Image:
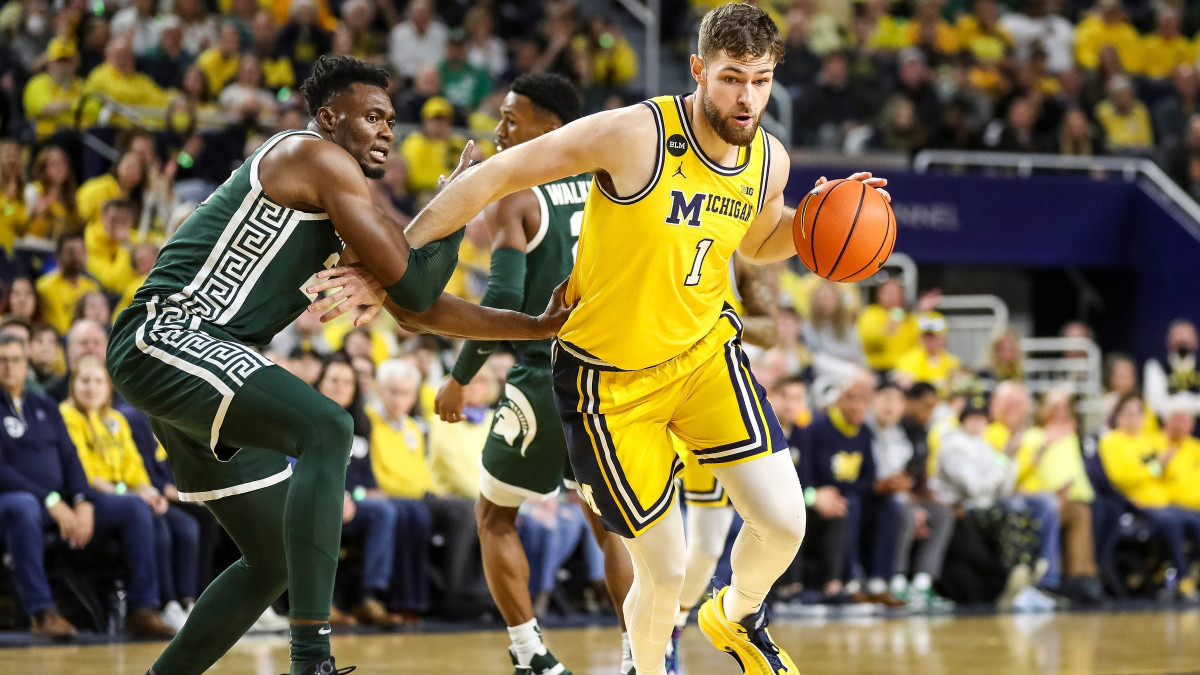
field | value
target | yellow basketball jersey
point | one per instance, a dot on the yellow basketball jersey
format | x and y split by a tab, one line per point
733	296
652	269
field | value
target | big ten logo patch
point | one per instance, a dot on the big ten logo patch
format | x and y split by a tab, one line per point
515	420
846	466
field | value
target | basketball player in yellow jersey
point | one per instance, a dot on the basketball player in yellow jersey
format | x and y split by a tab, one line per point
680	183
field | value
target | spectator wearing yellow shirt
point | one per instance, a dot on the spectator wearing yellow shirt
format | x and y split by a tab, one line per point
433	151
1131	460
61	288
886	32
887	329
1050	461
108	259
220	63
50	198
454	448
52	98
404	471
981	34
277	68
930	31
126	181
1181	458
13	215
1107	27
143	258
1166	48
118	79
930	362
614	63
113	465
1125	119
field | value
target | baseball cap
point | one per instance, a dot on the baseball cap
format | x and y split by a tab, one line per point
436	106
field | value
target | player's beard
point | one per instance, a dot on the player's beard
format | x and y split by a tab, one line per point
371	171
724	125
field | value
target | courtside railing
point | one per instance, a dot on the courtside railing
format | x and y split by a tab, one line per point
1130	168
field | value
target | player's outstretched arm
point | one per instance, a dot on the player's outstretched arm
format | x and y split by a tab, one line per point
606	141
452	316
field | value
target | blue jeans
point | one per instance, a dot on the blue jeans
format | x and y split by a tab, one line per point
414	532
549	545
177	544
375	519
1043	507
876	520
22	521
1172	525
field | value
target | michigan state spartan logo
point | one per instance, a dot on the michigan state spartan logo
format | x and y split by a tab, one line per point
515	421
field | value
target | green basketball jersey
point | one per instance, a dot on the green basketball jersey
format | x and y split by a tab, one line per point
240	261
550	254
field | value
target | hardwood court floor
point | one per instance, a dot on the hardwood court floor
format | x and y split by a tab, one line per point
1127	643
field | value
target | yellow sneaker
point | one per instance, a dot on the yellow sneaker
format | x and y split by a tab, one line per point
747	641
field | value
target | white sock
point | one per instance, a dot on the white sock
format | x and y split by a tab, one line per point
922	581
853	586
526	641
681	618
626	654
875	586
899	584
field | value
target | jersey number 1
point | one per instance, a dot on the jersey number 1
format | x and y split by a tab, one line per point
701	251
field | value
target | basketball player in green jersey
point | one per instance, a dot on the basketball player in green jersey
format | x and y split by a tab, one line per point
240	269
534	233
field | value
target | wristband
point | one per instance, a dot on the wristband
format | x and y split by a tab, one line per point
120	488
810	496
359	493
52	500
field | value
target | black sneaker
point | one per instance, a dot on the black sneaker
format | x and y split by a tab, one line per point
326	667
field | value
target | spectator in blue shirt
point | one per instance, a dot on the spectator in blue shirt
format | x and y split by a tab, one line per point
839	453
42	485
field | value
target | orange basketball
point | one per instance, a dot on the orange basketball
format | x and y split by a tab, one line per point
844	230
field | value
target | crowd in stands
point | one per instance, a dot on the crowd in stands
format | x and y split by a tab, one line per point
930	479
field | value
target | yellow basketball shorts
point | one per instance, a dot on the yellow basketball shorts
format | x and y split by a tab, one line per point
619	424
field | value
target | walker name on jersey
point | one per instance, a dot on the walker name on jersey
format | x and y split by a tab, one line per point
573	192
692	208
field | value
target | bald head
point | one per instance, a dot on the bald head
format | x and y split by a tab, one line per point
855	396
86	338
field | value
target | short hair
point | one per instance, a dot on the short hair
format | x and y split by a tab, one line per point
118	203
393	369
18	322
10	339
332	75
740	30
920	390
65	237
551	93
888	384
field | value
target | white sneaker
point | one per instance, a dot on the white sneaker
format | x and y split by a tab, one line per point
1032	600
1019	579
174	616
270	622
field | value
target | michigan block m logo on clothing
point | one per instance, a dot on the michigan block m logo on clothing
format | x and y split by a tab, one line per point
683	208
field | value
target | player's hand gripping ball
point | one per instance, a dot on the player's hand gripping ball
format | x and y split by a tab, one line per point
844	230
